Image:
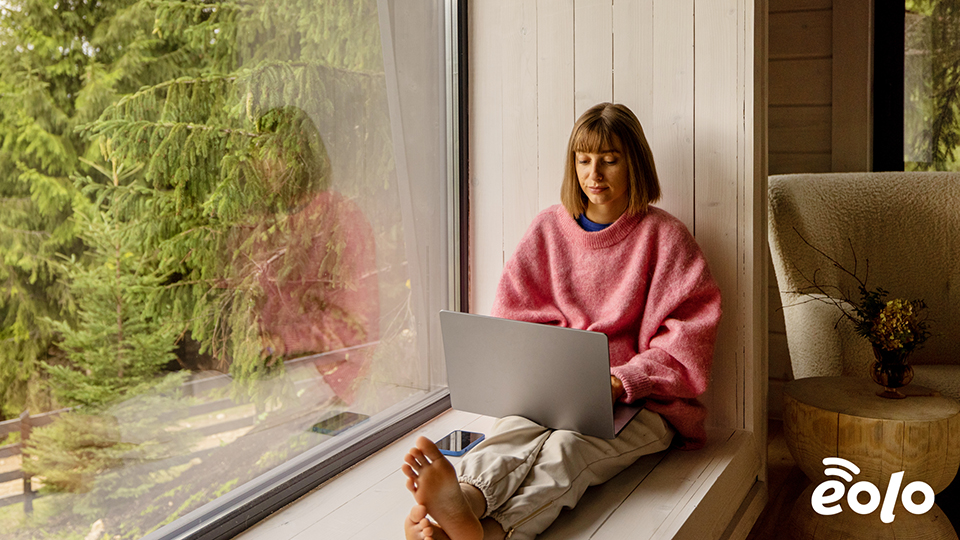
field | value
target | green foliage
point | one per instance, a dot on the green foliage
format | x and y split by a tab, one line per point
148	435
69	453
200	99
119	342
891	325
77	452
153	155
229	155
937	122
42	64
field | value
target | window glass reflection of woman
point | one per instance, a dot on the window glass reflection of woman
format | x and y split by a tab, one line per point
311	252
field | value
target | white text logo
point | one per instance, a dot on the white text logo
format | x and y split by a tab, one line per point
826	496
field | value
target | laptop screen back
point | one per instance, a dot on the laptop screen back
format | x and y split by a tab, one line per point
557	377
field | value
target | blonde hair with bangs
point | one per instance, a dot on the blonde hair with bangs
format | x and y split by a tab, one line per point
598	129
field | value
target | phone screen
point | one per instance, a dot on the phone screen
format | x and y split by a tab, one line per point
459	442
338	423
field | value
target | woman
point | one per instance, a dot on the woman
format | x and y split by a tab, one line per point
310	252
604	261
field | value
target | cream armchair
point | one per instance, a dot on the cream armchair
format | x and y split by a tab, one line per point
905	226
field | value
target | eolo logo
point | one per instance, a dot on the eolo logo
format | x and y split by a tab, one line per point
826	496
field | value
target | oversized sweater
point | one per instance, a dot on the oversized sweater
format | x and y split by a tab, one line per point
317	270
643	282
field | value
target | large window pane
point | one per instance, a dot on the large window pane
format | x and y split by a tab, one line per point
931	107
223	229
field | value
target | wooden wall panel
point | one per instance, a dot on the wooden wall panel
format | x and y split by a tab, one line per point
633	39
801	82
717	212
800	129
671	134
519	90
593	53
801	97
537	64
853	86
798	5
804	34
796	162
555	102
486	153
654	77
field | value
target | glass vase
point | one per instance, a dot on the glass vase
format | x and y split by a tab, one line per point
891	371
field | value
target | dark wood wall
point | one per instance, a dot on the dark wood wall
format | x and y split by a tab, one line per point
820	91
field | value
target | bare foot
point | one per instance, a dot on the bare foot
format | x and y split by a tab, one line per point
417	526
433	482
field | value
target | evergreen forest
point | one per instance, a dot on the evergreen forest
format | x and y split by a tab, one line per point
932	85
164	166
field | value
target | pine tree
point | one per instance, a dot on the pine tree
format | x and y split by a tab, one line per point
945	85
203	140
188	107
119	342
187	88
49	54
938	120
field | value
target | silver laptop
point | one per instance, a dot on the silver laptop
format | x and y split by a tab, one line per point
557	377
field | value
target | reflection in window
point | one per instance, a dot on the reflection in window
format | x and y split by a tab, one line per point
205	257
932	85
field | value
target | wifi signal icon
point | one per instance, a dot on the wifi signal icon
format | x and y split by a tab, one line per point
840	462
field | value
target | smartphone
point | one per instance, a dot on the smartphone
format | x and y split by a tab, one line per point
338	423
458	442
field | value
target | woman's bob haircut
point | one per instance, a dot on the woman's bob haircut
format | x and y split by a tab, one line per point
600	128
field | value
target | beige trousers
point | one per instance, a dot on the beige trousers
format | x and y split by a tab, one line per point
528	473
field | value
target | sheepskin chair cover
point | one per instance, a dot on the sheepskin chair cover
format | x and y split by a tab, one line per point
901	231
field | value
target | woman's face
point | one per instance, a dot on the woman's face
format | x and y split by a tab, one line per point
604	178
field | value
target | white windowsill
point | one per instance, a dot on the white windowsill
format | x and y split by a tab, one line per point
709	493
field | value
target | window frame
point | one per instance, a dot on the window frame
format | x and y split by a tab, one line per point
243	507
888	56
248	504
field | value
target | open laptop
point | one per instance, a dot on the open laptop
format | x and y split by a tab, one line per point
557	377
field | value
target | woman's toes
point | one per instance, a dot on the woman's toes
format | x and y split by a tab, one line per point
429	449
413	462
417	456
418	513
426	528
413	525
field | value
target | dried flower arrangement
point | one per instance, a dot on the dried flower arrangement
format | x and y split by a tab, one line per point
895	327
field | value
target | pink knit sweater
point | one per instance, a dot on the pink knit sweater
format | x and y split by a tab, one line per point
644	283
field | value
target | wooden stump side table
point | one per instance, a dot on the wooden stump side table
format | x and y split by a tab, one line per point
843	417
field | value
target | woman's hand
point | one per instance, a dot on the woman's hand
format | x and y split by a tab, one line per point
616	389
